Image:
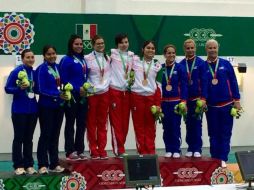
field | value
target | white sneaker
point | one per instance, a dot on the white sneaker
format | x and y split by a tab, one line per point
176	155
197	154
20	171
31	171
57	169
168	155
82	156
43	170
223	164
189	154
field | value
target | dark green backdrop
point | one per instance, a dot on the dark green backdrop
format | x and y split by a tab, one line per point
235	34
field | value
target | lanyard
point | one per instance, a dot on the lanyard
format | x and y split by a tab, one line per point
168	78
145	73
125	66
83	64
101	65
30	80
216	68
55	73
192	66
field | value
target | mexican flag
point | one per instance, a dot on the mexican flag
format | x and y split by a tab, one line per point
86	31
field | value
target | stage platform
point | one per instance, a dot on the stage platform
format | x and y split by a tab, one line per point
109	174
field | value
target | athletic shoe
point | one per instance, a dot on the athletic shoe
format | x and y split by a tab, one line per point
168	155
31	171
189	154
73	156
82	156
122	155
95	157
176	155
104	157
57	169
197	154
223	164
20	171
43	171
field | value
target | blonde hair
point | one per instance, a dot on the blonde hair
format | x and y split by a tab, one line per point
211	41
189	41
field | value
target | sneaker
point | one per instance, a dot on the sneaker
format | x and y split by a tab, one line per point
223	164
31	171
189	154
104	157
176	155
122	155
20	171
168	155
95	157
82	156
73	156
57	169
197	154
43	170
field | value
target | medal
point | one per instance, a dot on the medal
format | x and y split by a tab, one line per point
215	81
145	82
30	95
168	87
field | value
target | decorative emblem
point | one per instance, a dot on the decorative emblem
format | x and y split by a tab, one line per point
87	32
112	175
16	33
202	34
222	176
73	182
187	172
34	186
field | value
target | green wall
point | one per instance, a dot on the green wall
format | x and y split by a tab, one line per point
235	34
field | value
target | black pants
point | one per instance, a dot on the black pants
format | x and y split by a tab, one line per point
78	112
50	124
22	146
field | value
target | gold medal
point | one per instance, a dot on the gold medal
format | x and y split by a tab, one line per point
168	87
215	81
145	82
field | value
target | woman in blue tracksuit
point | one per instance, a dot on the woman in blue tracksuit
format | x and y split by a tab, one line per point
50	111
74	70
197	91
24	114
223	94
174	91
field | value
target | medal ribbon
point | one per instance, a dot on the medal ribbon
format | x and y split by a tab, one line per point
168	78
125	66
216	68
101	65
145	73
56	75
188	70
83	64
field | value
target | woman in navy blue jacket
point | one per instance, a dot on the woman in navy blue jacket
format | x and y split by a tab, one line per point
50	111
74	70
24	114
223	94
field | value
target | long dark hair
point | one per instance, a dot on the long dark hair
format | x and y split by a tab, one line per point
70	51
145	44
97	37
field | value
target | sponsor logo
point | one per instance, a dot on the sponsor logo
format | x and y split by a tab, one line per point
111	175
187	173
201	35
33	186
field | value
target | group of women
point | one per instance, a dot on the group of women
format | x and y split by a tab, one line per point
172	88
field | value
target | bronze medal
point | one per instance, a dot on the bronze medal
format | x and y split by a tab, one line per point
215	81
168	87
145	82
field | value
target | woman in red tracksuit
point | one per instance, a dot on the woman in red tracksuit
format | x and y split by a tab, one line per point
119	110
145	93
99	76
